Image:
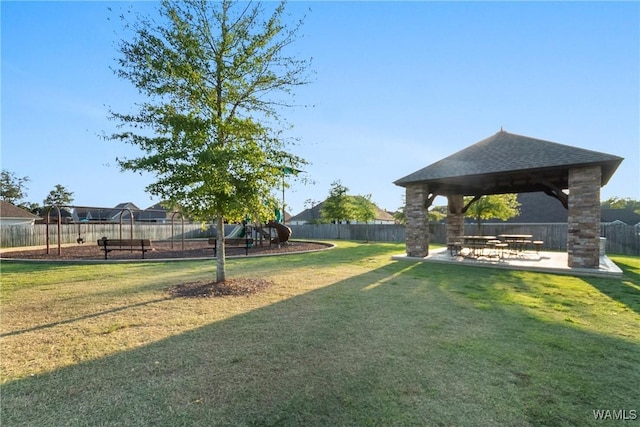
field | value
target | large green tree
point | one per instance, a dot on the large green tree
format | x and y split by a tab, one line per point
364	210
13	188
58	196
340	206
337	207
494	206
622	203
216	77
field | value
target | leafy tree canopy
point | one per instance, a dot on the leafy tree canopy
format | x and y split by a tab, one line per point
400	215
494	206
216	77
620	203
364	210
213	74
438	213
13	189
340	206
58	196
337	207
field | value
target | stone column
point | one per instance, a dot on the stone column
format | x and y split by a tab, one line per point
455	218
583	238
417	227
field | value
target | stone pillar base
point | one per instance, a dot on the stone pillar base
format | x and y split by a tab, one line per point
417	229
583	239
455	217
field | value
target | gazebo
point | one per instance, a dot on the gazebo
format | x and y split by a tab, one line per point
509	163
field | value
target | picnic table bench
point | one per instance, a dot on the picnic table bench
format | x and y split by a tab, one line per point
142	245
517	242
239	242
477	244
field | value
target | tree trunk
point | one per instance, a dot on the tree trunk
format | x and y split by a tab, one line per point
220	256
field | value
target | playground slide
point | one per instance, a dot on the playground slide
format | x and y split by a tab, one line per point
238	231
284	232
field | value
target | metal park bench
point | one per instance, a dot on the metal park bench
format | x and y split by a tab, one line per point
142	245
239	242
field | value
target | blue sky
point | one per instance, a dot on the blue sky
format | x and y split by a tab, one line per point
397	86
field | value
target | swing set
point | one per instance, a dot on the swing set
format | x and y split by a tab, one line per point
81	240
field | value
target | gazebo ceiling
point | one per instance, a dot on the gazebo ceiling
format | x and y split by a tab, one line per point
509	163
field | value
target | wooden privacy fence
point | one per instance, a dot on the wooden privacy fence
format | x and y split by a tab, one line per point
35	235
621	239
377	232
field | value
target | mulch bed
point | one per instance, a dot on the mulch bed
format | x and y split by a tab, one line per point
229	288
161	250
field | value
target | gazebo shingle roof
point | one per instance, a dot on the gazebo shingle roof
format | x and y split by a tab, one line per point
506	162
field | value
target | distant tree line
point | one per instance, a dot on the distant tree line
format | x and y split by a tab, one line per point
338	207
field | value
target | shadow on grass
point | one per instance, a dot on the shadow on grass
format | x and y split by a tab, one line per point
85	317
399	345
627	290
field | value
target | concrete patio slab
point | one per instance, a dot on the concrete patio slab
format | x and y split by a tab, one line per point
546	262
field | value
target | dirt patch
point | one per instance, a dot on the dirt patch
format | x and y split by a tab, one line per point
229	288
160	250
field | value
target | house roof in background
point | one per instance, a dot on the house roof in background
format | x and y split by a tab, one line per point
157	206
628	216
539	208
309	214
127	205
509	163
7	210
315	213
382	215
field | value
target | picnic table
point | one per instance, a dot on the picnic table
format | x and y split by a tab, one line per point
516	242
477	244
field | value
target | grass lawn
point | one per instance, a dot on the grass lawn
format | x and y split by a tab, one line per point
343	337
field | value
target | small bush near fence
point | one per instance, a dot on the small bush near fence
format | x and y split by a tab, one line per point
621	239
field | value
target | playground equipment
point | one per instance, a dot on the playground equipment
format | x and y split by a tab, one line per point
82	239
283	232
240	236
281	235
274	232
248	235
